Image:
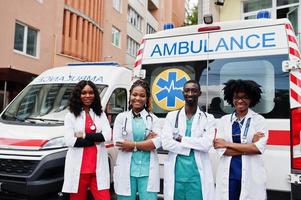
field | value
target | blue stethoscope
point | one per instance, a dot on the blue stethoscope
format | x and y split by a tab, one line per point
149	123
245	134
176	128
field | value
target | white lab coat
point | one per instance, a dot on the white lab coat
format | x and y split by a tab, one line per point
202	134
74	154
121	174
253	183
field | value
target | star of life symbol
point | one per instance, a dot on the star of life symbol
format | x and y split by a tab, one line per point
169	85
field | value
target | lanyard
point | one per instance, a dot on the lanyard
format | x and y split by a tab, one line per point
245	134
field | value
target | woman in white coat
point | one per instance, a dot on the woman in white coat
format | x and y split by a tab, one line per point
135	134
87	128
240	141
188	136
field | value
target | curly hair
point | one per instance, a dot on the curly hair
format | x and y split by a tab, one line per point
145	85
251	88
75	103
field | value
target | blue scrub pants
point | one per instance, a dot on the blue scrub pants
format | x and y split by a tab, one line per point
188	190
234	189
139	184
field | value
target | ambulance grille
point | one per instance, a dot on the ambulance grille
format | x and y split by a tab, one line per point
17	167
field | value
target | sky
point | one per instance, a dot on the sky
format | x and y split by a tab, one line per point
193	2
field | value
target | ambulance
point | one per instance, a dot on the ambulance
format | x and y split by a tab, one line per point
214	53
32	149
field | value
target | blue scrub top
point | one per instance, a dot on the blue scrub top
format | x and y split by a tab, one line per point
186	169
235	165
140	159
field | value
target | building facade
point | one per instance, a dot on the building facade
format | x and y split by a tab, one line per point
41	34
226	10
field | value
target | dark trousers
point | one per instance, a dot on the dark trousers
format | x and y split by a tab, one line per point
234	189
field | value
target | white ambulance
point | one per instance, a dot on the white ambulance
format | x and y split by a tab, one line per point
214	53
32	150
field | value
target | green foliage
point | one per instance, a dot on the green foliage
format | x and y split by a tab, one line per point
192	18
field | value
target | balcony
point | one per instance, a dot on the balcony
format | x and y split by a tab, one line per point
153	5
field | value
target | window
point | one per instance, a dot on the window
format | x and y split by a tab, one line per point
257	5
150	29
26	39
115	37
42	100
278	9
117	5
132	46
117	104
265	71
134	18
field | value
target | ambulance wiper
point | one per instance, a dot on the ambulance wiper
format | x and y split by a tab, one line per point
46	120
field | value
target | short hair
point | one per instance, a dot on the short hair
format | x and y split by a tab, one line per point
193	81
75	103
251	88
145	85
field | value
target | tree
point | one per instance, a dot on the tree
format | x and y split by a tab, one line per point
192	17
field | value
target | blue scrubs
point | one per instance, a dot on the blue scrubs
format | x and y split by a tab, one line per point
187	177
139	166
235	165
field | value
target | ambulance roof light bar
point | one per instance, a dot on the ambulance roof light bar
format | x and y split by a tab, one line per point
264	14
208	19
94	63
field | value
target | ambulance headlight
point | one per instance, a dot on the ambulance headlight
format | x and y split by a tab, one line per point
55	143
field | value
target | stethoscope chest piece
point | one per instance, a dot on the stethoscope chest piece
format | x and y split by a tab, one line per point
92	127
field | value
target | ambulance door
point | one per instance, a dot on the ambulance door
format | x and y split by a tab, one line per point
168	73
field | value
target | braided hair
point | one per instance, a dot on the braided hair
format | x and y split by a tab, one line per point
144	85
251	88
75	103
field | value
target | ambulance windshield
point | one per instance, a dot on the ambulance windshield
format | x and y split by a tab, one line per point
42	104
167	79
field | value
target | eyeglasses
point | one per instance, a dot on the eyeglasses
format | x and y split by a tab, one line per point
244	98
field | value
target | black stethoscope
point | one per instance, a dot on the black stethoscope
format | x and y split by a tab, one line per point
245	134
149	123
176	128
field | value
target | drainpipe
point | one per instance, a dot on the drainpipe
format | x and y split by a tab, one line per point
4	95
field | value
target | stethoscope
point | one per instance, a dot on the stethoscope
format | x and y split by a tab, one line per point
175	133
149	123
245	134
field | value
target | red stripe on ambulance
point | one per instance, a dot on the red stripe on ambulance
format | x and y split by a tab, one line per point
22	142
280	138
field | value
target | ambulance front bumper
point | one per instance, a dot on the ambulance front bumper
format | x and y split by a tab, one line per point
21	178
295	180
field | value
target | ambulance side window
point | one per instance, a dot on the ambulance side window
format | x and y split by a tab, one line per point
117	104
264	70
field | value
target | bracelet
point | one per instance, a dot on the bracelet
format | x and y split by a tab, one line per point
135	147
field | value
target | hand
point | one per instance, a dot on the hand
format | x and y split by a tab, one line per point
257	137
220	143
79	134
125	145
151	135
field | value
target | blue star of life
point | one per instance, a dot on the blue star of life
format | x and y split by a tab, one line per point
171	89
